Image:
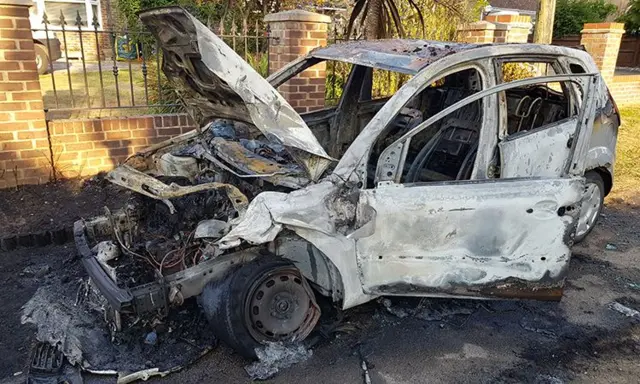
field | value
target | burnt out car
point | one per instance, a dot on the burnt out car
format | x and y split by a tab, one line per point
464	183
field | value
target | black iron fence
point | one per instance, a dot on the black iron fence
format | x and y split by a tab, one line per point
91	71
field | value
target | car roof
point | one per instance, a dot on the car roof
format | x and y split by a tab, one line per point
404	55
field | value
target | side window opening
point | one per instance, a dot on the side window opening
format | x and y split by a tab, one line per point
539	150
576	68
446	149
378	86
534	106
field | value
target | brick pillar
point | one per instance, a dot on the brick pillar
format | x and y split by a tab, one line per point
602	41
510	28
480	32
295	33
24	148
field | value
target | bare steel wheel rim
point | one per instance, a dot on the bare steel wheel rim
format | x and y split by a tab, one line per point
280	307
591	202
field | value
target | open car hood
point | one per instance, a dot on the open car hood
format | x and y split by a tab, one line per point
213	81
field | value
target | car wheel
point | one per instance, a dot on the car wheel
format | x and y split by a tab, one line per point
42	59
266	300
592	202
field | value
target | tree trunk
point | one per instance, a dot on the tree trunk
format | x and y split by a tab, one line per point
543	32
373	18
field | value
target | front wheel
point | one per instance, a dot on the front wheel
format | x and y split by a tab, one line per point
592	202
265	300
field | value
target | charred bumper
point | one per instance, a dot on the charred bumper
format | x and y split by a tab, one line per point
141	299
159	295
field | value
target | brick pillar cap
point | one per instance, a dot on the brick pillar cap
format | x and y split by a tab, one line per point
508	26
477	26
599	27
511	19
26	3
295	15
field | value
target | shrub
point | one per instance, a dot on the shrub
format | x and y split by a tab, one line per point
517	71
572	14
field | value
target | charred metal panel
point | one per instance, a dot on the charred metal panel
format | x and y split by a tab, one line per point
316	214
440	236
405	56
232	152
130	178
541	153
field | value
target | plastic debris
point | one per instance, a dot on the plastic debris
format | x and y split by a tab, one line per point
223	129
37	271
629	312
365	370
151	338
611	247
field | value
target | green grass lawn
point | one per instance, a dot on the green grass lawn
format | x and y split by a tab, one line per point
93	98
626	184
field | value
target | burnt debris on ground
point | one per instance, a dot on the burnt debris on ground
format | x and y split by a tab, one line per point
70	314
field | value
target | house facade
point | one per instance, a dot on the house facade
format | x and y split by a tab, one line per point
89	11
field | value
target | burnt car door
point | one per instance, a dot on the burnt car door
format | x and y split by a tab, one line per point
537	120
507	237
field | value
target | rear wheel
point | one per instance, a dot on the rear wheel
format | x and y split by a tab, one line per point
592	202
266	300
42	59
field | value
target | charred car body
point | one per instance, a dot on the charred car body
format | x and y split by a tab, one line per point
459	185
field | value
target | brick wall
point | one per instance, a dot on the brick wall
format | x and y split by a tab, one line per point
294	34
510	28
23	137
496	29
480	32
87	146
602	41
625	89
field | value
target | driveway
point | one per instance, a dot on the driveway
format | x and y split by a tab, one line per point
75	65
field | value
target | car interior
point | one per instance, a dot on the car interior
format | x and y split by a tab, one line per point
537	105
446	150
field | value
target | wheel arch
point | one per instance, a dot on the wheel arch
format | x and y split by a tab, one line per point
600	159
316	267
607	178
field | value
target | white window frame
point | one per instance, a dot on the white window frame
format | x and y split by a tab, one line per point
40	7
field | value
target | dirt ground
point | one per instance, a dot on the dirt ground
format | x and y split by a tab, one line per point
36	208
581	339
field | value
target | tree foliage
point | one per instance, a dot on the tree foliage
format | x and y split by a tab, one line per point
631	18
436	19
571	15
208	12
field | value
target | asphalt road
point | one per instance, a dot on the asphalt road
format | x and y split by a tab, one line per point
580	339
